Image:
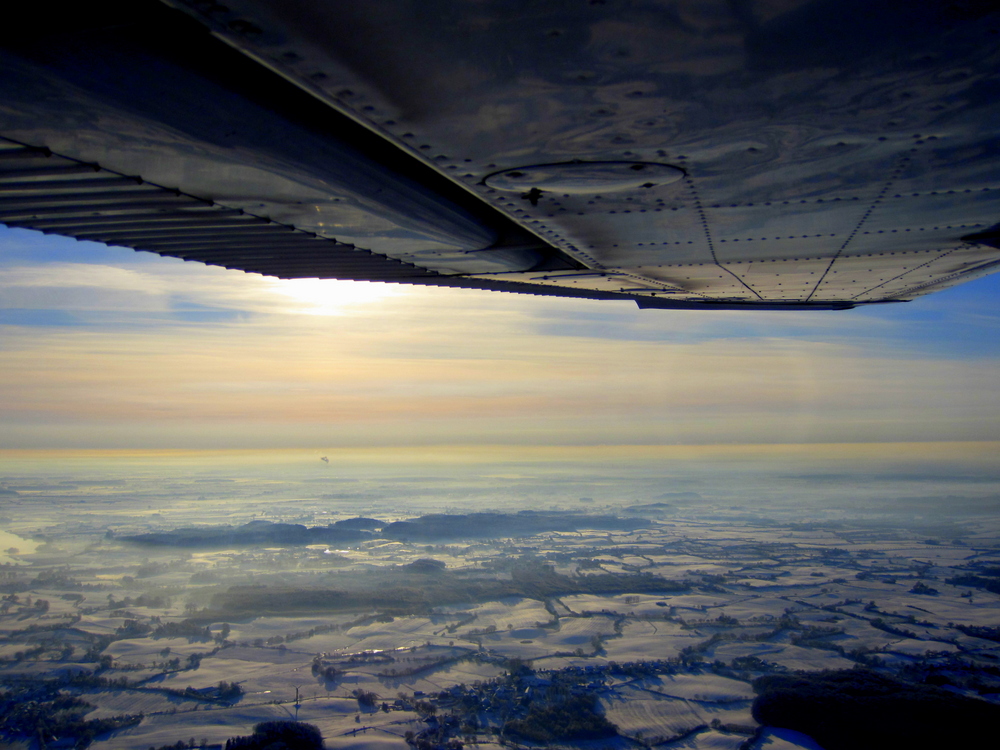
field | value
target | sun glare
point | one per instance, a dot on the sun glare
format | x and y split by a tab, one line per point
331	296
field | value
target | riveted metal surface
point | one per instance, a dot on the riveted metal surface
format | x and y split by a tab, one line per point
796	121
833	151
144	90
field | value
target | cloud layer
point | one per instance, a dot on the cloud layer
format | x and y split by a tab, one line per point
104	347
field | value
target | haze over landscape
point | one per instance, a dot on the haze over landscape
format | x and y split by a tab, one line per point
246	500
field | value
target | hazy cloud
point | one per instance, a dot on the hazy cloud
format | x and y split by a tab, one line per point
335	363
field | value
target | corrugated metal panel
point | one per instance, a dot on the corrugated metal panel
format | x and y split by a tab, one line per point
53	194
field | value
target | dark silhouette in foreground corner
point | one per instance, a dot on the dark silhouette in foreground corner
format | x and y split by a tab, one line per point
279	735
859	709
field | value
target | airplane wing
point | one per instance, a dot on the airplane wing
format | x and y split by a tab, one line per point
678	153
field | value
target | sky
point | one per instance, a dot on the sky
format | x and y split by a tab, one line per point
108	348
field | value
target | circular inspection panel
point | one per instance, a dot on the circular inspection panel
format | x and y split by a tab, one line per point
586	176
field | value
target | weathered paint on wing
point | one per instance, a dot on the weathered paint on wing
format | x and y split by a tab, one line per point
813	153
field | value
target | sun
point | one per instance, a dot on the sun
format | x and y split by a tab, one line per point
331	296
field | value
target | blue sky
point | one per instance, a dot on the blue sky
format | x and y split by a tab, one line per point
104	347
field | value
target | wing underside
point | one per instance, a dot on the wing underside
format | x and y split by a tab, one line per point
684	154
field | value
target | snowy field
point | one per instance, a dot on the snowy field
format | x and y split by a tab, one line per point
738	601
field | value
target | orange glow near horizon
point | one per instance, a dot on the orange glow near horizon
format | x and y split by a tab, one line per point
981	452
